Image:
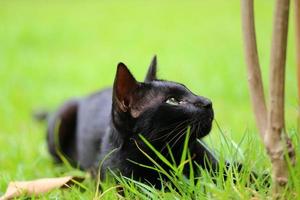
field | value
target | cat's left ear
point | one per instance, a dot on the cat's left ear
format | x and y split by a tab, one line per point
151	74
124	85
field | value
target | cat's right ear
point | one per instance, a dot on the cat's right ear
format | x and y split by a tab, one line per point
151	74
124	85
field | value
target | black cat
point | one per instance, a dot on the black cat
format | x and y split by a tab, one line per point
85	130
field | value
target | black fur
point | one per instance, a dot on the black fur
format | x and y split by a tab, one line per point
112	119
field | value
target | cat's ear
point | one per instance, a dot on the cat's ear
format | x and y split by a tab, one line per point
151	74
124	85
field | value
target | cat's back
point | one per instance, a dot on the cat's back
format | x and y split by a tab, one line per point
95	109
93	119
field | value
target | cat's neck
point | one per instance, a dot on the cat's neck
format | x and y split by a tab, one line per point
121	123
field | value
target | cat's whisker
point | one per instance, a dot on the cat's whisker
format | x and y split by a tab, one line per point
175	136
166	128
182	133
179	126
181	129
178	136
162	137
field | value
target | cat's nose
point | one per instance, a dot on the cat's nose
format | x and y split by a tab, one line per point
203	103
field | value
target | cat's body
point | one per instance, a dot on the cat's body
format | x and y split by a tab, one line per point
77	120
89	129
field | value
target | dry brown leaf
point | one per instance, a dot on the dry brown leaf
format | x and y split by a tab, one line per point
37	187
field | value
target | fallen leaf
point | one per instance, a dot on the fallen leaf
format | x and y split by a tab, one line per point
38	187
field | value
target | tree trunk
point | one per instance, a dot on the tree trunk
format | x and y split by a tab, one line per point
271	123
275	134
254	73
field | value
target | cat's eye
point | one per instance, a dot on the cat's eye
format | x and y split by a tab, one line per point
173	101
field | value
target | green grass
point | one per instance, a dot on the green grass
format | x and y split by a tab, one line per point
53	50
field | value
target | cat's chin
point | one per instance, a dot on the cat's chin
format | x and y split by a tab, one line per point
204	125
204	131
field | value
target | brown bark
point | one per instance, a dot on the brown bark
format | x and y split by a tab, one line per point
271	124
254	73
275	134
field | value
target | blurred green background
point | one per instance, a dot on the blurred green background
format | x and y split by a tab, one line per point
53	50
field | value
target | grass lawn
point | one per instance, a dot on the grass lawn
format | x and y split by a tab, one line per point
53	50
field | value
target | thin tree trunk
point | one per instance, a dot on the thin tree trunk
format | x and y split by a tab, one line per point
275	134
254	73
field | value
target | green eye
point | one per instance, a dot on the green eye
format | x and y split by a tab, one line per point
173	101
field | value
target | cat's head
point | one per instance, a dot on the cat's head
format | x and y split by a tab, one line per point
159	110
